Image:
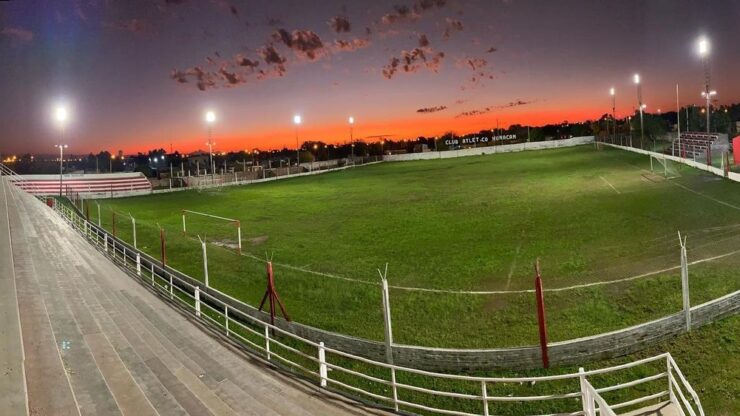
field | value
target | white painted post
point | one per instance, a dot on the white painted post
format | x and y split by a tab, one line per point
197	301
124	255
322	364
152	264
184	230
671	394
388	333
587	402
267	342
138	264
205	260
98	214
239	235
685	282
226	319
484	393
105	241
133	226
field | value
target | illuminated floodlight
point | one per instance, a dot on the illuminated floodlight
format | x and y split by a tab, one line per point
351	120
636	78
61	114
210	117
703	46
612	91
297	119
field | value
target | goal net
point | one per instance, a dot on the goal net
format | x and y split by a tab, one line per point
665	167
218	230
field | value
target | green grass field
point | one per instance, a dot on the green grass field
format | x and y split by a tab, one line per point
467	224
475	224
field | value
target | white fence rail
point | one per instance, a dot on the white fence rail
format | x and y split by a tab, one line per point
333	368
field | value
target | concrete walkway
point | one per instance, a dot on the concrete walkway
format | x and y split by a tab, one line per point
98	343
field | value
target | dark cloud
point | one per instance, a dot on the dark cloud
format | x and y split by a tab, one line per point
485	110
17	34
339	24
234	11
423	5
400	13
246	62
423	41
453	25
231	78
131	26
432	109
473	63
350	45
271	56
491	50
305	43
414	60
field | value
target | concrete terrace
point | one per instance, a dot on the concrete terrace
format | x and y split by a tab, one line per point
80	337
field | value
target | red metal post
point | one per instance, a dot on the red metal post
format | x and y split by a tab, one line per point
541	320
272	295
163	246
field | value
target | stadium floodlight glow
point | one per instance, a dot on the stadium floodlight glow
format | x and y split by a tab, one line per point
636	78
351	120
612	91
351	136
703	46
61	114
297	119
210	117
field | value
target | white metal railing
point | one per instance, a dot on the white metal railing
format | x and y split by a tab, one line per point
17	179
263	338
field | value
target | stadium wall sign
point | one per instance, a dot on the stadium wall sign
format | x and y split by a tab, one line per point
478	139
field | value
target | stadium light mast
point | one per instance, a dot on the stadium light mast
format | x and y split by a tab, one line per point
61	115
351	121
297	120
636	78
703	48
210	119
613	93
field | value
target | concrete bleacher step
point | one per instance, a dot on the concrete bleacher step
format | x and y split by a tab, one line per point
100	343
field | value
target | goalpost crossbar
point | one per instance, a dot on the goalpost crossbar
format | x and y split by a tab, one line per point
236	223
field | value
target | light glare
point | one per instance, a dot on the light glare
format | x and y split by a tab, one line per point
297	119
636	78
351	120
703	46
210	116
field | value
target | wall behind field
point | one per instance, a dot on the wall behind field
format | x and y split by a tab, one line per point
488	150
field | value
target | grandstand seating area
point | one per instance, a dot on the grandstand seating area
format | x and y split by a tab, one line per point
693	144
87	184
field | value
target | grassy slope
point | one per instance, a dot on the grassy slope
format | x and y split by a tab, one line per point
471	223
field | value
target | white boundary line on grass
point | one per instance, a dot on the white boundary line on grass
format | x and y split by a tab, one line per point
494	292
610	185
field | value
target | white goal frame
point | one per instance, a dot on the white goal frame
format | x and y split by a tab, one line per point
663	161
236	223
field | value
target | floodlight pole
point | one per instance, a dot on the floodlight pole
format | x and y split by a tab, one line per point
210	151
678	123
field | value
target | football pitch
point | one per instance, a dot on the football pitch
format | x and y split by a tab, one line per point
460	237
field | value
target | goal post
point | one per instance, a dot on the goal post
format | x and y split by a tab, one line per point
664	166
218	219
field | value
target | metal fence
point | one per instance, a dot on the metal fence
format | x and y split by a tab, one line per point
396	387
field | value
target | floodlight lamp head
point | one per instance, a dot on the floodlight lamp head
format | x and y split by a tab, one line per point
210	117
612	91
297	119
636	78
351	120
703	46
61	115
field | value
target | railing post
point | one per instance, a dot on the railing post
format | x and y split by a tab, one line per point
671	393
197	301
133	225
267	342
172	293
685	282
105	241
388	333
586	399
226	318
152	265
541	319
484	394
138	264
322	364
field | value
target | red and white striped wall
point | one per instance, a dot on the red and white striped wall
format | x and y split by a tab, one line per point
100	184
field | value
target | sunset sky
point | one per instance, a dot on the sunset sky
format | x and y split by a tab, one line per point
139	74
